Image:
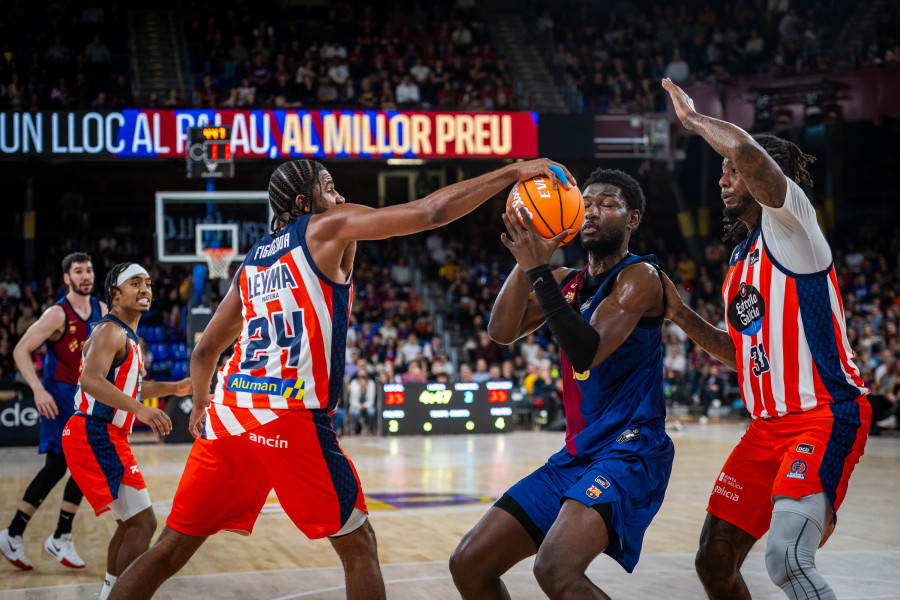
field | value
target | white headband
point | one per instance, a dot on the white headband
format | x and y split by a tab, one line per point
131	271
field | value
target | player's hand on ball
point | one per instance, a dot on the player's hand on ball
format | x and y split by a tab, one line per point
526	244
546	167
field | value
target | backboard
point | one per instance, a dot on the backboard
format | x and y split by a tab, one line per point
187	222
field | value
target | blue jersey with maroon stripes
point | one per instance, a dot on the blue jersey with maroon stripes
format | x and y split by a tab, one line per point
64	355
625	391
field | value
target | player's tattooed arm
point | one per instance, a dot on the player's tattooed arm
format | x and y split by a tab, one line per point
716	342
762	175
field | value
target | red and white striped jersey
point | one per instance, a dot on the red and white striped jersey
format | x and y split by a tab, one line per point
787	322
290	354
124	374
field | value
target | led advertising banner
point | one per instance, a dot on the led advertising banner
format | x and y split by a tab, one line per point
144	133
435	408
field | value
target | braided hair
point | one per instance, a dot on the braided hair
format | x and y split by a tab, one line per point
790	159
109	286
292	179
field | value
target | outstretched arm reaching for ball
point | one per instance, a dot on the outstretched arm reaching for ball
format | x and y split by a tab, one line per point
332	232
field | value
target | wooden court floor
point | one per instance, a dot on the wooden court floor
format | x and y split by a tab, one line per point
861	561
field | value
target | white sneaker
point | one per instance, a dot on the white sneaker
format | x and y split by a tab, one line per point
14	550
888	422
63	550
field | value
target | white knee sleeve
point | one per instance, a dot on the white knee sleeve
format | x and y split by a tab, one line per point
794	535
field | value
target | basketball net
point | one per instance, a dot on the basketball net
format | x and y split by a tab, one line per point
218	260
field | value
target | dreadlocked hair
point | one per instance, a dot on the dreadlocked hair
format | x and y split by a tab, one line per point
109	286
292	179
790	159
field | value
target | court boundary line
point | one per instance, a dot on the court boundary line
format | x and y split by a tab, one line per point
591	569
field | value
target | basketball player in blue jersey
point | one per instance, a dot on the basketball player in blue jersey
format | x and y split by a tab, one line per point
64	327
598	493
302	270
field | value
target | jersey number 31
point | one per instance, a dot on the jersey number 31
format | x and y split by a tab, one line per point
760	362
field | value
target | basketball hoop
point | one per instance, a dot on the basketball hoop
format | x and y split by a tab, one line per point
218	260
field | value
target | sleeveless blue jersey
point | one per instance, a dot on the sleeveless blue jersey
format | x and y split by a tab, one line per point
64	355
625	391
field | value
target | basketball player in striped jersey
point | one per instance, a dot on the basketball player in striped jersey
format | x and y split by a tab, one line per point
63	327
107	401
786	339
269	423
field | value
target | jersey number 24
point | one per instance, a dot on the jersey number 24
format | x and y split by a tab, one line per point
288	328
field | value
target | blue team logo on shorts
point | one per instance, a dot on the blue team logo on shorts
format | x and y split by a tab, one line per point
798	468
593	492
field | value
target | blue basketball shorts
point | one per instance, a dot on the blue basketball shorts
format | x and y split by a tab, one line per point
631	477
51	429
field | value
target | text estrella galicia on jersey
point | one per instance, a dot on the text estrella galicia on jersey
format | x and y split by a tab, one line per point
746	310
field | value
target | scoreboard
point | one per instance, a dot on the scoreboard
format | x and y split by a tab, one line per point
209	152
435	408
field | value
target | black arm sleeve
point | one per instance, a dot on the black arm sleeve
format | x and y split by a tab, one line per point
577	338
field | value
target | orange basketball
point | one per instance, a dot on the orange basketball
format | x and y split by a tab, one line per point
552	211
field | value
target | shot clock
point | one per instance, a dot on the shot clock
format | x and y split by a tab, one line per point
209	152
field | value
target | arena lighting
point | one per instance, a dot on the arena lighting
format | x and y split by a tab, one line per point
405	162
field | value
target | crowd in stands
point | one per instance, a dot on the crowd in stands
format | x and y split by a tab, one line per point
59	55
359	56
617	56
405	55
74	56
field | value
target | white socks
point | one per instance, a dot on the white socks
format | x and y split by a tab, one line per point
108	582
